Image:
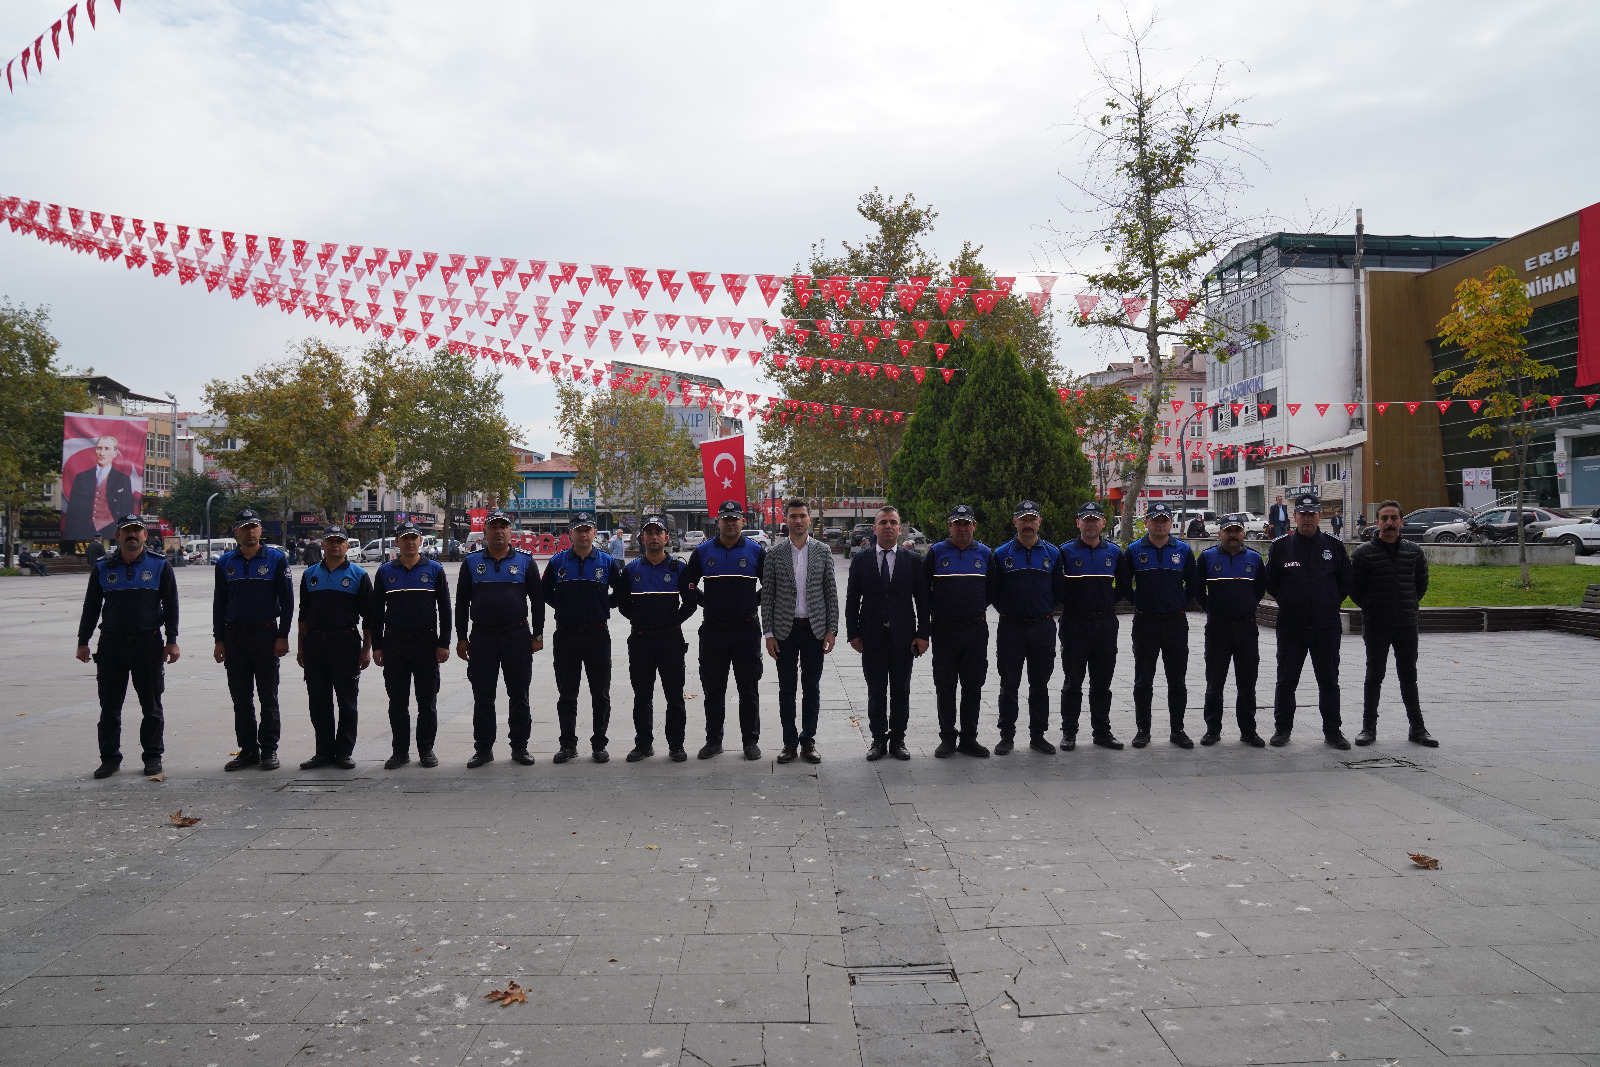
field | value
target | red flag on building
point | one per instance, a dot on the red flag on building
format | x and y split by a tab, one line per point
723	461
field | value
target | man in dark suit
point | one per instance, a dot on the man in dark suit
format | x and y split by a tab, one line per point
887	620
99	495
1278	518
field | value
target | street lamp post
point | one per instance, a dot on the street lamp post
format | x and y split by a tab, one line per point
209	499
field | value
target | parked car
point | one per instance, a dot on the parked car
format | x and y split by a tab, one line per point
861	534
1421	521
378	550
917	542
760	537
1497	524
1583	535
693	539
203	551
832	535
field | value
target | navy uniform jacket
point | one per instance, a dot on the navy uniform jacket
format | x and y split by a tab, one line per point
1158	580
497	594
138	597
411	601
1022	581
1231	585
339	599
1088	577
252	592
958	583
579	589
650	597
731	596
1309	577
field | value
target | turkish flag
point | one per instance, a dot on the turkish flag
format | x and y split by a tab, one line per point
723	461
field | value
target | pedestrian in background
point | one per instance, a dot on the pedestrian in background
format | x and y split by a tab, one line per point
252	608
1389	578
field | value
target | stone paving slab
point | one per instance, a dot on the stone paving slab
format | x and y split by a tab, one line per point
1218	906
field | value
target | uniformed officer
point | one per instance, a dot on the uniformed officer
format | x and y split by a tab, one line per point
580	584
132	595
1024	588
651	599
252	608
410	640
1088	575
495	590
957	570
730	630
1232	581
334	645
1308	573
1157	573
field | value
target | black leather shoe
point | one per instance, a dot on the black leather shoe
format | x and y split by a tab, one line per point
107	768
1424	738
522	756
876	751
1253	740
241	761
946	748
344	763
897	749
566	754
677	755
1141	739
1069	742
152	768
1181	739
1039	744
1280	739
1004	747
1367	736
640	752
709	749
396	761
1209	738
1337	741
810	754
973	748
428	759
314	762
789	754
269	761
1108	742
479	759
752	751
600	755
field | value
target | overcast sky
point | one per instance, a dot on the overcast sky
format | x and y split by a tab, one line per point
722	137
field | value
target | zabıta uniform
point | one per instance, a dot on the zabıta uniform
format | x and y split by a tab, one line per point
411	626
730	630
654	602
252	608
1024	588
958	581
334	608
495	597
580	589
1159	580
1230	589
1089	628
1309	577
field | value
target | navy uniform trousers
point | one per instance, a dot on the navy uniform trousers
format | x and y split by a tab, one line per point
252	670
1235	642
581	649
1088	646
738	647
117	659
333	674
1164	634
960	658
1025	644
491	654
657	652
1294	644
412	661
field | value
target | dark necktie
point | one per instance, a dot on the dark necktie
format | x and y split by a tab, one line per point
884	568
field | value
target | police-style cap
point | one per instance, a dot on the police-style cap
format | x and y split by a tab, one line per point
962	513
1088	508
1158	508
335	533
130	520
1234	520
1307	505
497	516
1027	507
246	517
582	518
730	509
407	528
653	520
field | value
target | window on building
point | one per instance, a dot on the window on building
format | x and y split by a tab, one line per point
1280	477
1228	464
1195	429
1227	500
1198	465
1331	472
1255	499
1268	396
1196	394
1164	465
372	500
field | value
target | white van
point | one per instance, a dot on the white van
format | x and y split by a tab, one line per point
378	550
202	551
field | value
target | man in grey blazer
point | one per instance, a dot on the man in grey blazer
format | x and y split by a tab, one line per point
800	617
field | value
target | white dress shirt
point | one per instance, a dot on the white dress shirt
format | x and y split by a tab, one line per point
886	554
798	555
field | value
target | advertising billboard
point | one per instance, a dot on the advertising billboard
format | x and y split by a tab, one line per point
102	473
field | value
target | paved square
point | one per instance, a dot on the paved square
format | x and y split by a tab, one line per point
1218	906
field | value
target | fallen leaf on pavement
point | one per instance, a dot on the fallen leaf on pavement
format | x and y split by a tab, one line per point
158	777
180	819
1425	862
511	994
655	847
1230	859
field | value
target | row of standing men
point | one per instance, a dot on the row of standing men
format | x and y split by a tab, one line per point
898	605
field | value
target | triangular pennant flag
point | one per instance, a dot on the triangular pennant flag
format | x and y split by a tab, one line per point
1474	405
948	373
1555	400
1351	409
1322	409
1086	304
1382	408
1134	306
1181	308
1444	405
1294	409
1036	302
1590	398
1411	407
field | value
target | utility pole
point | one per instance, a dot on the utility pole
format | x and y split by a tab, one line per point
1358	422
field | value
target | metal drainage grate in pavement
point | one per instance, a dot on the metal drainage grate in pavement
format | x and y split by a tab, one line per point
886	975
1381	763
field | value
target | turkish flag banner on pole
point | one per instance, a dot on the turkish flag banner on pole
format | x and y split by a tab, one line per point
723	461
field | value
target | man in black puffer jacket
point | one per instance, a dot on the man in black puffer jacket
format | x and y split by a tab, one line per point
1390	577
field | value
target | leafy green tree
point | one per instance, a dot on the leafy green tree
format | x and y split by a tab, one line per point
1486	321
631	450
1007	438
34	395
1108	423
185	506
916	473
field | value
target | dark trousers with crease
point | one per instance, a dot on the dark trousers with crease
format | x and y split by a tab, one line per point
738	648
960	658
333	674
576	653
117	659
1164	635
886	666
800	667
252	670
412	661
649	655
1379	639
1088	646
1294	644
492	653
1029	646
1236	642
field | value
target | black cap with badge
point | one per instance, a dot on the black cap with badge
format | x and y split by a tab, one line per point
582	518
1090	508
962	513
246	517
652	520
334	533
1159	508
1307	505
1237	519
1027	507
130	520
497	516
406	528
730	509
